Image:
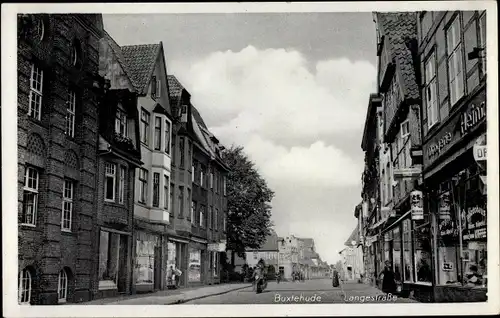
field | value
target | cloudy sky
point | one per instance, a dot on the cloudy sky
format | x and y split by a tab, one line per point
292	89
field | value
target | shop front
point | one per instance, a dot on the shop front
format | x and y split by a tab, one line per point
197	263
456	179
176	260
148	262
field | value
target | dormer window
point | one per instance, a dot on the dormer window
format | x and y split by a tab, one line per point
121	122
155	87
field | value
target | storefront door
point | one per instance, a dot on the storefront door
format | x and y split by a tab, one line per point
157	267
122	264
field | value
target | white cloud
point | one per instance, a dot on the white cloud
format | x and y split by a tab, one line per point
265	100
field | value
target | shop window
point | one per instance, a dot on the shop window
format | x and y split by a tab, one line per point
30	196
36	92
145	257
194	267
407	251
62	287
215	264
396	256
25	285
70	114
108	259
423	254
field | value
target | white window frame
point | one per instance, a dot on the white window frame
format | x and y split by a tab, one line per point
145	123
109	172
403	124
455	58
67	205
143	185
193	205
201	177
31	185
121	125
70	114
62	287
156	189
211	180
25	287
121	185
36	92
202	215
430	88
166	192
158	129
158	88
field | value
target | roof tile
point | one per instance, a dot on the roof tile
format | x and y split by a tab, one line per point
141	60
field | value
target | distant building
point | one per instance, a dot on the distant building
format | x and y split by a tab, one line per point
352	258
268	252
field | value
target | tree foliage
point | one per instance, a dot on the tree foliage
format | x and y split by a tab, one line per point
249	203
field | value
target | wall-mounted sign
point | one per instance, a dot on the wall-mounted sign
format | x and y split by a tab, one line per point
407	173
457	127
472	117
479	151
447	228
448	266
417	205
445	206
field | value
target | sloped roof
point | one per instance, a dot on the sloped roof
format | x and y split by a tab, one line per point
398	29
271	243
117	50
308	242
175	89
198	117
353	237
141	60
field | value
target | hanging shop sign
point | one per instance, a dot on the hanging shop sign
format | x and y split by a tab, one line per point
479	151
474	223
417	205
457	127
447	227
445	206
407	173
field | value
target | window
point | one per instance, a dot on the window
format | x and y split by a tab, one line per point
405	129
210	222
189	195
24	296
67	205
121	122
167	136
193	171
182	150
154	87
156	189
40	29
211	180
158	88
172	197
193	208
157	133
109	185
74	55
36	92
455	63
482	37
202	216
190	152
121	186
216	182
224	184
62	288
70	114
430	90
166	182
388	182
216	219
181	201
144	126
201	176
426	19
143	185
224	223
30	196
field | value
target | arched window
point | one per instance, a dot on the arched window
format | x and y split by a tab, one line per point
24	296
62	288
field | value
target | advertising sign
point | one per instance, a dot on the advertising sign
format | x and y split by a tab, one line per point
407	173
417	205
474	223
448	267
479	150
445	206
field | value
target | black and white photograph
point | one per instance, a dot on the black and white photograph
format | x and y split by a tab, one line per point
192	158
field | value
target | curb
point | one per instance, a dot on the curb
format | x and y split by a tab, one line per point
182	301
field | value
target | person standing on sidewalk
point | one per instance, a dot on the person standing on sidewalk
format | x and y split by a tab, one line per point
388	280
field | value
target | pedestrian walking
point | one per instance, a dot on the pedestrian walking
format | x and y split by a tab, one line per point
335	279
388	279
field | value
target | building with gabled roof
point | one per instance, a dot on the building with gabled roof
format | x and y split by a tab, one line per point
142	70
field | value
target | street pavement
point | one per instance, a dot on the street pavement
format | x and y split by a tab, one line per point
315	291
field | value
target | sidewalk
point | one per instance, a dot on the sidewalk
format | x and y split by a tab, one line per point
169	297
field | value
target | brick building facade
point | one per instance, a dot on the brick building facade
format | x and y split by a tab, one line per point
58	92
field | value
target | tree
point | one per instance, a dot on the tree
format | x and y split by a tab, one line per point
249	203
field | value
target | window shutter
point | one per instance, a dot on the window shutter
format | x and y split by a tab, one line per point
153	87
